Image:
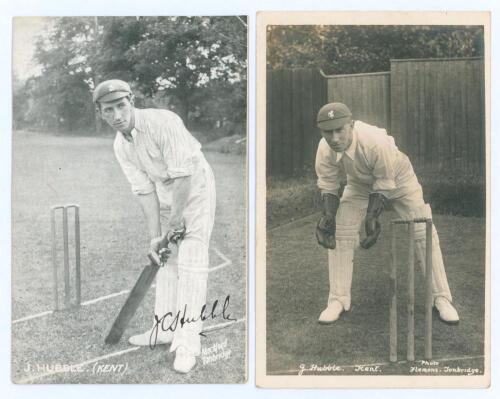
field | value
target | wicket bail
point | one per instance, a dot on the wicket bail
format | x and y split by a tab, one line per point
393	312
67	290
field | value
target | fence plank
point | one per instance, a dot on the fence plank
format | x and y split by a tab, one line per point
320	96
308	112
287	112
269	115
297	123
276	125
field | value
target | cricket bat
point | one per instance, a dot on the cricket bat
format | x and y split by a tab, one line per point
132	303
139	291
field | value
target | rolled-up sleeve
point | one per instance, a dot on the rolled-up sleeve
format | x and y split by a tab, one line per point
178	148
383	159
139	181
330	173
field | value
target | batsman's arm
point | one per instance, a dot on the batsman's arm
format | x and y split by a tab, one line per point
151	208
181	189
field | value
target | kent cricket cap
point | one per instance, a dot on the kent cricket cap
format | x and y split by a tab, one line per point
333	116
110	90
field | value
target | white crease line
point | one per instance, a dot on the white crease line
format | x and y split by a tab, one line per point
221	255
33	316
119	353
103	298
223	325
114	354
226	262
446	359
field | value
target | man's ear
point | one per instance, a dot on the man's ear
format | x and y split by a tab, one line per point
98	109
131	99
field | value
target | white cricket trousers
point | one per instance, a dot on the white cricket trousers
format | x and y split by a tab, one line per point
181	285
406	200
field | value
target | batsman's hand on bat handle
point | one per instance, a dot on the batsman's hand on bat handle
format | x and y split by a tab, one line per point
173	236
157	245
176	233
159	250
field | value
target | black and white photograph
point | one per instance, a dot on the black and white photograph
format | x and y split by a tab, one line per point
372	183
129	209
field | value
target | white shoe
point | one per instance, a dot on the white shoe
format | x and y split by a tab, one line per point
146	339
184	360
331	313
447	312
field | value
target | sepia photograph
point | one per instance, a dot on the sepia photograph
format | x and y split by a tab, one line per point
129	208
372	199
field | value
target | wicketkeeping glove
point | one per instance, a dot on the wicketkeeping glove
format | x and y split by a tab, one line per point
325	229
372	225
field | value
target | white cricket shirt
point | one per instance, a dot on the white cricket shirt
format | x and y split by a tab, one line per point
372	159
161	150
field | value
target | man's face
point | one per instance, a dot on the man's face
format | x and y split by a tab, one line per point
118	114
339	139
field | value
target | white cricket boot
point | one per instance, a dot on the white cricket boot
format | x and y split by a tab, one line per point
184	360
446	310
331	313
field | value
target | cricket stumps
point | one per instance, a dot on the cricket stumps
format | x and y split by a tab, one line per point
393	311
66	255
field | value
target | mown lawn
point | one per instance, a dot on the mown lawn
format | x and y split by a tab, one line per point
297	290
49	170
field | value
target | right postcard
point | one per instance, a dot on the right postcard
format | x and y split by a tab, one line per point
373	229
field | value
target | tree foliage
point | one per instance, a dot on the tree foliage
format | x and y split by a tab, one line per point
60	95
168	60
343	49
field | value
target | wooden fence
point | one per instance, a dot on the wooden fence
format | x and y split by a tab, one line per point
434	108
367	95
437	113
293	99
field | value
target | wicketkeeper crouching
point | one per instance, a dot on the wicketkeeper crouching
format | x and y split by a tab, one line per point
378	175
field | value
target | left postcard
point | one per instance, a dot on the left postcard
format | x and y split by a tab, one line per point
129	255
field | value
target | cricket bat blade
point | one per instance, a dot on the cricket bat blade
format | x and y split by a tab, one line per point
132	303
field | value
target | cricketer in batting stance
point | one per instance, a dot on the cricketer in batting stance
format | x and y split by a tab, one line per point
176	189
377	174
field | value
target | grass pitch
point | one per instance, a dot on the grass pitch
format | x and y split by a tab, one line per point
297	291
49	170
